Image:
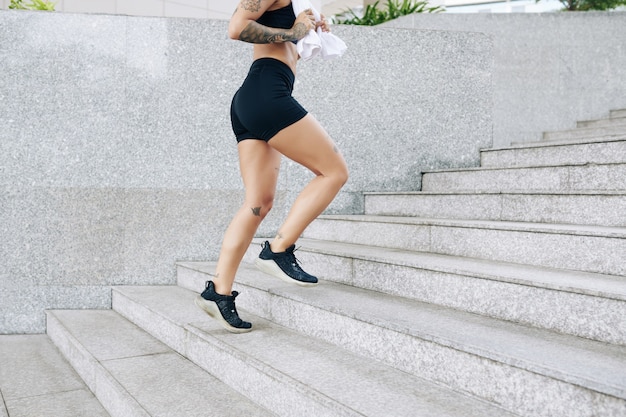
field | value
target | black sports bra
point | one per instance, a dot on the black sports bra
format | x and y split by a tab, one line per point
280	18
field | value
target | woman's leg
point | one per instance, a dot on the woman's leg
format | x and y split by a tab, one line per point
307	143
259	164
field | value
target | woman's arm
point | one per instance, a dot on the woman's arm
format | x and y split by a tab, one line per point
243	25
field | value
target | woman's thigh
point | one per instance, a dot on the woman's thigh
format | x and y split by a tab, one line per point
307	143
259	164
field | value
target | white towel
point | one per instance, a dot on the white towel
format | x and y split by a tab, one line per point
317	43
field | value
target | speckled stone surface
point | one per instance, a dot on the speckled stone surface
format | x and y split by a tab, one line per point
565	301
22	307
583	133
292	374
3	409
35	380
593	208
549	68
143	102
529	371
574	153
560	178
78	403
117	158
134	375
572	247
561	300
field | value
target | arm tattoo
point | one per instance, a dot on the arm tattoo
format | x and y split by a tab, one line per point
299	30
257	33
256	211
251	5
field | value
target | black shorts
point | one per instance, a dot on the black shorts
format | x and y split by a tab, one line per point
263	105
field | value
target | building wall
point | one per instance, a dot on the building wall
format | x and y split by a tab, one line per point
117	157
550	70
201	9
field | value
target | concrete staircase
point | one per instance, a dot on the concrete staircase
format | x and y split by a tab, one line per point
495	291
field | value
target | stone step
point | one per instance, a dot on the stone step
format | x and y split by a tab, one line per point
604	177
611	121
133	374
35	380
585	132
289	373
562	153
529	371
564	301
604	208
545	143
573	247
617	113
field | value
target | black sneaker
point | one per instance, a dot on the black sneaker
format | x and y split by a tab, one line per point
283	265
222	308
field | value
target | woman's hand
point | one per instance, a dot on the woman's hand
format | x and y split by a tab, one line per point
322	24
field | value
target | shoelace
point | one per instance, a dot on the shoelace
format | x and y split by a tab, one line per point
295	261
230	305
234	309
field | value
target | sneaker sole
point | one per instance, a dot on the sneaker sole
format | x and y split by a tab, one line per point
211	309
270	267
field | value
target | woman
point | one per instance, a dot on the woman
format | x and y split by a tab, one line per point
268	122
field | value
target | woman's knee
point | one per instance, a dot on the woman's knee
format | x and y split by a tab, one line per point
343	175
339	174
261	207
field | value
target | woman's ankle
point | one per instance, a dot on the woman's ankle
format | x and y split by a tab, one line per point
222	288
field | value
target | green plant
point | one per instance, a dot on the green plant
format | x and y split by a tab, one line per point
373	15
34	5
585	5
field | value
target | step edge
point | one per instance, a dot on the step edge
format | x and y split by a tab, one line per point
587	129
480	272
192	326
348	250
610	232
558	193
196	329
487	352
555	144
520	168
100	373
607	121
268	370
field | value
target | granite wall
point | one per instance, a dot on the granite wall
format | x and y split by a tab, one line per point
207	9
550	69
117	158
